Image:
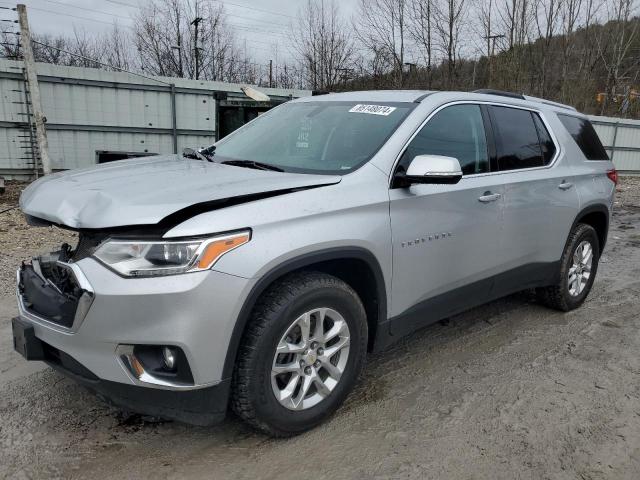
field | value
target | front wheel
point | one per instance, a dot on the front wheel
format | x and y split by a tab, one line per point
301	355
578	268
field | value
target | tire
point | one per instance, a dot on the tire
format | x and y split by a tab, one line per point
254	389
564	296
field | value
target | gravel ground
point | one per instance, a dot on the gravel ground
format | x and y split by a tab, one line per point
508	390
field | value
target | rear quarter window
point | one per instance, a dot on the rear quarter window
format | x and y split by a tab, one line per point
585	136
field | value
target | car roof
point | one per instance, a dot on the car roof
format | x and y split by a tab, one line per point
369	96
410	96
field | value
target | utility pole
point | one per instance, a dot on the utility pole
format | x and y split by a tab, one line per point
196	21
492	39
34	90
270	73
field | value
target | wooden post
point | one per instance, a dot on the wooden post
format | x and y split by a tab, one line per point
174	117
34	90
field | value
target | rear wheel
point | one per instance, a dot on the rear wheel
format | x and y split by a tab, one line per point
578	268
301	354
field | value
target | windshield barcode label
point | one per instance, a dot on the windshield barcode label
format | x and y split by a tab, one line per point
372	109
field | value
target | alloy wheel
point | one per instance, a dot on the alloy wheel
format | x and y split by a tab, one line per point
310	358
580	270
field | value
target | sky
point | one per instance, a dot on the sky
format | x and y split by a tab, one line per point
263	24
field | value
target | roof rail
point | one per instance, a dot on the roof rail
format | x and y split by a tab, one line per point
489	91
422	97
550	103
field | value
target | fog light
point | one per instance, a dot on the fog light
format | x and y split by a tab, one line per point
169	357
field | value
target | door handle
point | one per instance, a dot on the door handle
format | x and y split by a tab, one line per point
489	197
565	186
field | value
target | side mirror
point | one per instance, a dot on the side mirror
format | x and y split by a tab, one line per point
433	169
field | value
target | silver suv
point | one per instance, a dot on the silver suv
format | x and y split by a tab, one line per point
258	272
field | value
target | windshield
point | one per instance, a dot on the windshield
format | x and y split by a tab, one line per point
315	137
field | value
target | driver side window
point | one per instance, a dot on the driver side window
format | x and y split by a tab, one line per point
456	131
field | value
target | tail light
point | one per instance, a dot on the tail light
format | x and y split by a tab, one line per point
613	175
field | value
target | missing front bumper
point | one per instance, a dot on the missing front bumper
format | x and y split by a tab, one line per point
63	300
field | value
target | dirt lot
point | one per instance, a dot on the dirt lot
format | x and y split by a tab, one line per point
508	390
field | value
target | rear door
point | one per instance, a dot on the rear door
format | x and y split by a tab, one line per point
540	200
445	237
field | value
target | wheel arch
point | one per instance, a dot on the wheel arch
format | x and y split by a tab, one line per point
356	266
597	216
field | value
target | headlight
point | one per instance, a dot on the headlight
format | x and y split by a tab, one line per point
133	258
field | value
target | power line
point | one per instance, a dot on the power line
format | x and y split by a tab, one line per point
116	2
225	13
257	9
71	15
123	4
241	27
270	44
86	9
92	60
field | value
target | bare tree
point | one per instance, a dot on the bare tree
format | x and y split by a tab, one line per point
323	44
615	53
381	27
486	17
421	29
117	49
569	17
10	45
165	37
514	18
451	17
220	50
547	14
158	37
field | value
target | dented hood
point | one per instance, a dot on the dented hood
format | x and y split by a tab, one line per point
145	191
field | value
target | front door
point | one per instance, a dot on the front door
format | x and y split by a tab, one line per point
445	237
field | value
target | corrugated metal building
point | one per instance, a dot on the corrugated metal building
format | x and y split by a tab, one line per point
621	138
95	115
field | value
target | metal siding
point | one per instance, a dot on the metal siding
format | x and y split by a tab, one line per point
196	112
627	138
87	97
86	105
74	149
627	161
10	151
605	132
9	111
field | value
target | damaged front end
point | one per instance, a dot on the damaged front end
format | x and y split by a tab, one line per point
53	289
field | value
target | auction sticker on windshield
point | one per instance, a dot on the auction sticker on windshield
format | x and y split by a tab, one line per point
372	109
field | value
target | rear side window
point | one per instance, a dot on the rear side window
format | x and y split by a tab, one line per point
522	140
585	136
456	131
546	144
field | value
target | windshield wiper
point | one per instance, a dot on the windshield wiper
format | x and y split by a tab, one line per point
253	164
194	154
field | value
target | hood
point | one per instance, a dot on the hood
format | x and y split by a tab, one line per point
145	191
